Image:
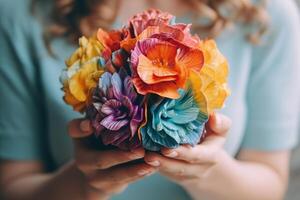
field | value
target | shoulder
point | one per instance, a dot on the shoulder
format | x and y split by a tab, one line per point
17	20
285	10
19	34
14	11
283	32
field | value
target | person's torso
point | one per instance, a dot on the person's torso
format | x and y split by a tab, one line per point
232	44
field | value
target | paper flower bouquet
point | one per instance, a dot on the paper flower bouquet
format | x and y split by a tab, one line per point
149	84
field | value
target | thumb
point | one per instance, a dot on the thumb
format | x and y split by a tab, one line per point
219	123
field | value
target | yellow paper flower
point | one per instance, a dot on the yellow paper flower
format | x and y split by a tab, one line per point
210	84
82	73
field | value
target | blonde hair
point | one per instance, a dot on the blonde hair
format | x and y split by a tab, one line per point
74	18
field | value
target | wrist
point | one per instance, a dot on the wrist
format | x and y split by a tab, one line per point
209	179
78	181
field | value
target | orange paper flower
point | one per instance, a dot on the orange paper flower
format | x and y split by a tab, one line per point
162	67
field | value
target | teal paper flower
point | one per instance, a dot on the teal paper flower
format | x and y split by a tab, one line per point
172	122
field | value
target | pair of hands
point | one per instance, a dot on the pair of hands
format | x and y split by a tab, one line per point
108	172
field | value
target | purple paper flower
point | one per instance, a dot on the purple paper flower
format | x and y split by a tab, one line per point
115	112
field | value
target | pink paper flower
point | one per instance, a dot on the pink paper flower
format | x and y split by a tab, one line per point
138	23
116	112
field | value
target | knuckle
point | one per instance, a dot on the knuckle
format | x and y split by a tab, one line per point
195	160
71	124
210	154
205	152
114	189
100	164
126	156
180	172
79	165
94	183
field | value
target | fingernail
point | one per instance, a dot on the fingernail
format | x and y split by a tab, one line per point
85	125
172	154
154	163
143	172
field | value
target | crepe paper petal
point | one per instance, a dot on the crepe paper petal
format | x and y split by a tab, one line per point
116	83
209	85
77	89
128	44
110	137
162	139
104	38
111	123
105	82
141	48
127	107
148	143
101	62
119	58
147	72
169	90
71	100
198	94
148	18
169	31
129	89
190	58
109	106
164	127
136	121
145	120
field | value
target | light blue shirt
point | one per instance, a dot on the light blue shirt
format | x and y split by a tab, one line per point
263	106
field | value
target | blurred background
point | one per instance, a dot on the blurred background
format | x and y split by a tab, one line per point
294	192
294	186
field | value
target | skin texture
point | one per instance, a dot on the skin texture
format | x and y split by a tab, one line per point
92	174
204	170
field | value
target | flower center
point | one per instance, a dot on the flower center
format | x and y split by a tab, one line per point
160	62
122	112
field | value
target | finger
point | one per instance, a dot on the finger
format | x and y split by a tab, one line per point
88	160
213	140
176	168
79	128
219	124
200	154
120	175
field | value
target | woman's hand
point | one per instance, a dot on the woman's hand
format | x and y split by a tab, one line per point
105	172
188	165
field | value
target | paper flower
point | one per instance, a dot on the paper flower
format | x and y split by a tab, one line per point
116	112
162	67
210	84
172	122
82	73
151	83
138	23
